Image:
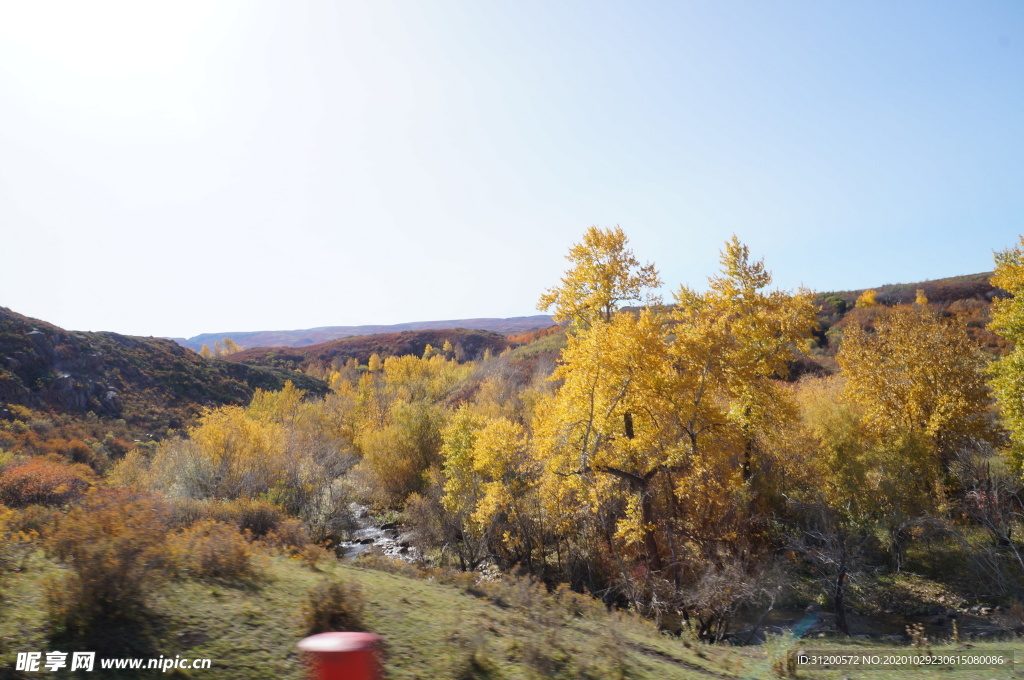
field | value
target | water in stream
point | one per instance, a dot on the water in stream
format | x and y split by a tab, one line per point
369	535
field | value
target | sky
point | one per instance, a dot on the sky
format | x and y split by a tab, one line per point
173	168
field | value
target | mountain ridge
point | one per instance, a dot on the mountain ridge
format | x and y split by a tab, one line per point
321	334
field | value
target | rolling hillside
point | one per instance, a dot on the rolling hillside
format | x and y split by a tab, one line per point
143	380
314	336
467	344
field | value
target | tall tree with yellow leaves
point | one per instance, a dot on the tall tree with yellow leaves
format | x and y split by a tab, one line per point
604	420
730	342
605	273
869	298
1008	372
919	375
918	382
668	397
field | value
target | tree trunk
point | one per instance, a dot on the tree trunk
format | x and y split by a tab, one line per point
748	454
650	542
840	588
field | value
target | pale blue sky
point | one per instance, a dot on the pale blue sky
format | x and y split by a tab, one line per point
189	167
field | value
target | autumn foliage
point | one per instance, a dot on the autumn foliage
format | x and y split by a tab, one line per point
211	549
42	481
665	456
114	546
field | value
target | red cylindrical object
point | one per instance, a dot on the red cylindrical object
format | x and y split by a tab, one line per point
343	656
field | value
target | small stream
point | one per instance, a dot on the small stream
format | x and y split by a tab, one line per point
386	538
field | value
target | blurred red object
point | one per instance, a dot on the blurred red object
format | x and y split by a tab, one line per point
343	656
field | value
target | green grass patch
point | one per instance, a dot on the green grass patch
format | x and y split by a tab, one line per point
444	627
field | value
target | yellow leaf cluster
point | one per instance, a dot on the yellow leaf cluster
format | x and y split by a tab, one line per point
604	274
917	373
1008	321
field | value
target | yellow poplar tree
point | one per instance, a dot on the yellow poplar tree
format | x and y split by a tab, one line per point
730	342
604	418
673	394
605	273
868	298
1008	372
227	455
230	346
283	406
917	374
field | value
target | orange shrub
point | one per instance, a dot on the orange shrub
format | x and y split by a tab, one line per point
289	536
34	520
257	517
42	481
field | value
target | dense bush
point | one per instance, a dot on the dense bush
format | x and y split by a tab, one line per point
15	545
114	547
34	520
334	605
42	481
210	549
257	517
291	537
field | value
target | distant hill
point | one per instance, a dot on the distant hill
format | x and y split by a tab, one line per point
144	380
967	297
315	336
467	345
967	287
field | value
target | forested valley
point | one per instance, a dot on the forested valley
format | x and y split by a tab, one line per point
700	462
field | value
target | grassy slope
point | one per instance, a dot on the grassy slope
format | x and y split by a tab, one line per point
431	631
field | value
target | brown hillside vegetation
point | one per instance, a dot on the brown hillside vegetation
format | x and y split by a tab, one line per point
316	336
967	298
143	380
466	344
949	289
